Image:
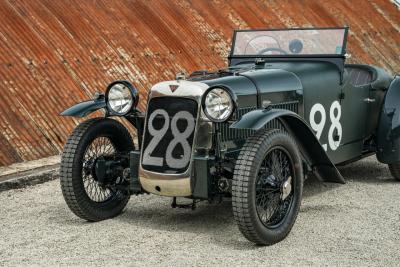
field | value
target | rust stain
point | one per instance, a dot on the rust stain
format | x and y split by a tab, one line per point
56	53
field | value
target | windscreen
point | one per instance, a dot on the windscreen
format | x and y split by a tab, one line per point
289	42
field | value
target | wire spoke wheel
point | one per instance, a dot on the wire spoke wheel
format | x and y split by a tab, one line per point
101	146
274	176
267	186
88	196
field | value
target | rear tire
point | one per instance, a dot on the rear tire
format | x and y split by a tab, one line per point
264	207
74	179
395	170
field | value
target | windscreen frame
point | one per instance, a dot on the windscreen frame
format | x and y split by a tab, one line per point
341	55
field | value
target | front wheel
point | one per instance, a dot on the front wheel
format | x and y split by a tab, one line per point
267	187
86	195
395	170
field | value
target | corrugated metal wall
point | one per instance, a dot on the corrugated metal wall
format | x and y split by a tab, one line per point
56	53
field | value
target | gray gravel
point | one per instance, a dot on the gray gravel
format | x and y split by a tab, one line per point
353	224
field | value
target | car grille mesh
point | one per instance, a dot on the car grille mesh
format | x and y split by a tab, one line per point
228	134
161	160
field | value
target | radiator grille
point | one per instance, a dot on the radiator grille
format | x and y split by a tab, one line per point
228	134
168	137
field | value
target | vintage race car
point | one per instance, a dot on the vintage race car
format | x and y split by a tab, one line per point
285	107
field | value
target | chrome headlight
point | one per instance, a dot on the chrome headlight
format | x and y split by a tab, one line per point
121	97
218	104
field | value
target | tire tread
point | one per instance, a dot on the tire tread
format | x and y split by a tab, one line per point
241	183
76	199
395	170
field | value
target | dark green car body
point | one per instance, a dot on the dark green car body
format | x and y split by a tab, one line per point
337	114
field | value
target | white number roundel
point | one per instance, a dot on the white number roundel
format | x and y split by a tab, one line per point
318	127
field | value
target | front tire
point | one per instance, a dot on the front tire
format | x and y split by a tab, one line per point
395	170
267	187
90	140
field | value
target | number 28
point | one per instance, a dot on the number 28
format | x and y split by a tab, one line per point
179	138
335	123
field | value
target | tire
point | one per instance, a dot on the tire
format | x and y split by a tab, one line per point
73	177
395	170
253	182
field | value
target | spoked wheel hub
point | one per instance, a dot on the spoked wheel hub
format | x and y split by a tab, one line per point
100	147
274	187
89	167
286	188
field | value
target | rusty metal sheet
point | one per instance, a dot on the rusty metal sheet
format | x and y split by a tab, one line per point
56	53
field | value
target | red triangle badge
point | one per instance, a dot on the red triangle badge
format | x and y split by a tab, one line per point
173	87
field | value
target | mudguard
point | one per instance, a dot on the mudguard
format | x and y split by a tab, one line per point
308	144
84	108
388	133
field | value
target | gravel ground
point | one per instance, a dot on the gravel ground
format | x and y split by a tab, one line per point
353	224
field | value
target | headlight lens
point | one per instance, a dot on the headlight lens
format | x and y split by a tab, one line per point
218	104
121	96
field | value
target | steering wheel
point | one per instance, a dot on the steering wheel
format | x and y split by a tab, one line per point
257	37
273	49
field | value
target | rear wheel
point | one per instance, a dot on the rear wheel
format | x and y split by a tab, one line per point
395	170
267	187
85	195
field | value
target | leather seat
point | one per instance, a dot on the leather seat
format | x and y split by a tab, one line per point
361	75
